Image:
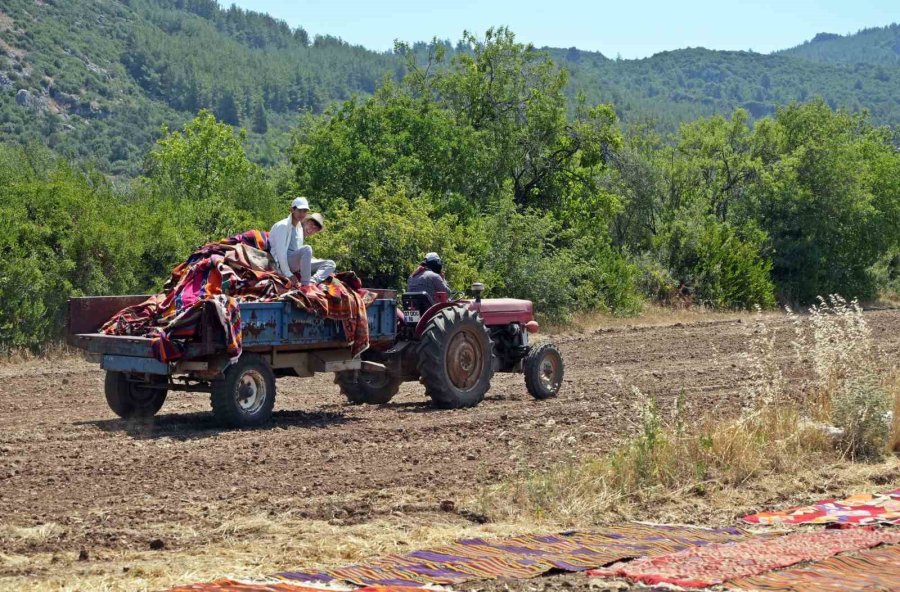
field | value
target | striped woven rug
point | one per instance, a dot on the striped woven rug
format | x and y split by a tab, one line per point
521	557
701	567
476	559
872	570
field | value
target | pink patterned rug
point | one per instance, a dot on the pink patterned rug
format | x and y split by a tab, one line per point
872	570
713	564
858	509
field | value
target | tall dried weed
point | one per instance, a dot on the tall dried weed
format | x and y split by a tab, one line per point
846	390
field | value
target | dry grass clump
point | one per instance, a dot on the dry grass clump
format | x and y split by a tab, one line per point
31	535
843	413
662	462
847	391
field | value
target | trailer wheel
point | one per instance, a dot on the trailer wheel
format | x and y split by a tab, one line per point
129	399
246	396
543	369
455	358
372	388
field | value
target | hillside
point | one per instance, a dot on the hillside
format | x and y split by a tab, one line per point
879	46
96	80
677	86
100	87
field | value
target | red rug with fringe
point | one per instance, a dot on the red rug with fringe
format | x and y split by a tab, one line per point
872	570
709	565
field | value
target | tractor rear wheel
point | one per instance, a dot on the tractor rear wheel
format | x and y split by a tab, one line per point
246	395
371	388
543	370
129	399
455	358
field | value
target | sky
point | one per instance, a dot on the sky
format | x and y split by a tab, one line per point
630	29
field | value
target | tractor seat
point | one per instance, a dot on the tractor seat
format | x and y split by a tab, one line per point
420	301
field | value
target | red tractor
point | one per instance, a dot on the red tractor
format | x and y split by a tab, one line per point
454	347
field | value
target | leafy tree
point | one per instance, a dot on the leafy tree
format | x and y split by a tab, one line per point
829	200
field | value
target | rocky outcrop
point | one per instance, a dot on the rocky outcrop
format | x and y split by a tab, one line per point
25	98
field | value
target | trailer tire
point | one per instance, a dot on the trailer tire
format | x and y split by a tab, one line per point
543	370
367	388
455	358
246	395
130	400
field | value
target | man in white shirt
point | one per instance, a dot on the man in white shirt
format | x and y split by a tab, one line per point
293	259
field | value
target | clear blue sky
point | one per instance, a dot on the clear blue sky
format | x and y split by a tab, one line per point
633	28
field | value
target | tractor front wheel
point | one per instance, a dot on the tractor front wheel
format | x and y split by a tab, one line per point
371	388
455	358
543	370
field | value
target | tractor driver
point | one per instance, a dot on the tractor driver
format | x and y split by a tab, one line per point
429	277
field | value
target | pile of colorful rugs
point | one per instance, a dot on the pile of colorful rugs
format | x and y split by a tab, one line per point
853	553
222	274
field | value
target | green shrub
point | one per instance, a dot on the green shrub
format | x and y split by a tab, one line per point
531	256
385	236
723	268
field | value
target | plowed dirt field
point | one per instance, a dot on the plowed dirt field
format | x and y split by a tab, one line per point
76	480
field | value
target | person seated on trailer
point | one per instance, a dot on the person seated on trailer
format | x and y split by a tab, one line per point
293	259
429	277
311	270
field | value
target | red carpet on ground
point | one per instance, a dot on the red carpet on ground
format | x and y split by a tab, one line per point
872	570
700	567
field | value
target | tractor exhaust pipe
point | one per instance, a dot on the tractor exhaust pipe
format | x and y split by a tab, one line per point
477	288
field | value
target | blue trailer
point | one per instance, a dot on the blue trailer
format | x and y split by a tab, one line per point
279	339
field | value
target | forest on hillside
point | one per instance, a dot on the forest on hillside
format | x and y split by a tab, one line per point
95	81
484	156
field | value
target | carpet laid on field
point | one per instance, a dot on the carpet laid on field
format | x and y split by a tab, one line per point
699	567
226	585
521	557
872	570
479	559
858	509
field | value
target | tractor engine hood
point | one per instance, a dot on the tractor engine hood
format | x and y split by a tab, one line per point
503	311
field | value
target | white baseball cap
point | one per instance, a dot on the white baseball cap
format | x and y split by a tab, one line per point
300	203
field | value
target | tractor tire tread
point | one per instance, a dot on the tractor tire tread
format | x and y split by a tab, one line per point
222	397
531	369
431	369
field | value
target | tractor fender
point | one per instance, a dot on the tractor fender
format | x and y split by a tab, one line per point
429	314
